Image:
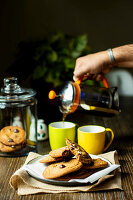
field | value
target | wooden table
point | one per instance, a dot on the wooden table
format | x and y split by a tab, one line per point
122	125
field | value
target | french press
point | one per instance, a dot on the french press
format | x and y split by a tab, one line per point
74	94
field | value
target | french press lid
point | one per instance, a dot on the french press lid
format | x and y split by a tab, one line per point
12	92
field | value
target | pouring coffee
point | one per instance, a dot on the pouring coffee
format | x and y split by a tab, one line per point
74	94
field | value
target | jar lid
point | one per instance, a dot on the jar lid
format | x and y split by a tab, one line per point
12	92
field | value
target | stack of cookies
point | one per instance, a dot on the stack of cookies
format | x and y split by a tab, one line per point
12	138
71	161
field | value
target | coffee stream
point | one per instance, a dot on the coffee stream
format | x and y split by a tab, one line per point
69	112
64	117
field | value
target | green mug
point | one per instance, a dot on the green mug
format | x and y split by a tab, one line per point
58	131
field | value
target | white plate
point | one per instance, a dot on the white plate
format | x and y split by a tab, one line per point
35	169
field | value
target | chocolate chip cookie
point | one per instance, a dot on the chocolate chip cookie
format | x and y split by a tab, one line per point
96	164
50	159
12	135
6	148
80	174
61	168
61	152
79	152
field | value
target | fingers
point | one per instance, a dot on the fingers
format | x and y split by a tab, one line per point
97	77
80	69
92	66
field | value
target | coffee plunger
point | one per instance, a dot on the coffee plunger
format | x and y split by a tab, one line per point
74	94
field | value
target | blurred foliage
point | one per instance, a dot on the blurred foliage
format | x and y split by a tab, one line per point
51	59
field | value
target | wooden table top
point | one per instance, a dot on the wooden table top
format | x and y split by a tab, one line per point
121	124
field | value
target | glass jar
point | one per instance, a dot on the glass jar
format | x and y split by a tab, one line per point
18	112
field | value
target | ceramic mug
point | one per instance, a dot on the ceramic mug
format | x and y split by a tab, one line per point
58	131
92	138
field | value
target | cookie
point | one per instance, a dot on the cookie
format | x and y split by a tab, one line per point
12	135
62	168
79	152
49	159
61	152
80	174
97	163
6	148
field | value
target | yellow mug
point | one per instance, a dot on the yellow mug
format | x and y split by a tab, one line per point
92	138
58	131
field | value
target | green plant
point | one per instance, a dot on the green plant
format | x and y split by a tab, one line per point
51	59
56	57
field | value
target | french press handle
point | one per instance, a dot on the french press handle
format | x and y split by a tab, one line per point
104	80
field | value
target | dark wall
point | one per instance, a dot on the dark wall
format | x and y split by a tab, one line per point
107	23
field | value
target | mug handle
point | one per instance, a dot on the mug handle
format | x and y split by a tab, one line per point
111	139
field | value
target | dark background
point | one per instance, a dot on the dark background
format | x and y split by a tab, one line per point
107	23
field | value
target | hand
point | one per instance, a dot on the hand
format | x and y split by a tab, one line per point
92	66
